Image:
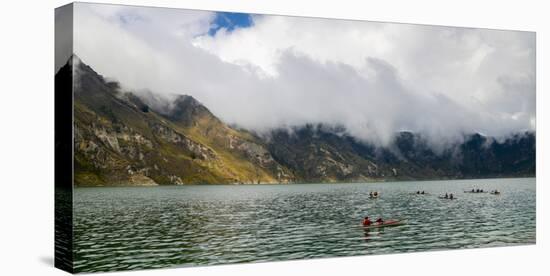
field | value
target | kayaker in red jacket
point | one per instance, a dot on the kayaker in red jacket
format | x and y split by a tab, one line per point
366	221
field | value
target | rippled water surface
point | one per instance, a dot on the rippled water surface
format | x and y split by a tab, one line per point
150	227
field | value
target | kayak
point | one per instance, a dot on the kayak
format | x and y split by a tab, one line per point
442	197
470	192
373	196
387	223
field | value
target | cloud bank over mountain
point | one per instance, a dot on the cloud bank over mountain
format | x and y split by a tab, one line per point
374	79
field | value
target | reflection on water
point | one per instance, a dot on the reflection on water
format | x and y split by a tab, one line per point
151	227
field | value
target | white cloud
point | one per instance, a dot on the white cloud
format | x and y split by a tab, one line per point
373	78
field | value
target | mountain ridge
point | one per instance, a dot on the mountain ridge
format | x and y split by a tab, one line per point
121	138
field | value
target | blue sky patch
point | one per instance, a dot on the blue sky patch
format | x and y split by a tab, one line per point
230	21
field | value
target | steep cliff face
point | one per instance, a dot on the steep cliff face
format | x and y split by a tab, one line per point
485	157
315	154
120	140
124	138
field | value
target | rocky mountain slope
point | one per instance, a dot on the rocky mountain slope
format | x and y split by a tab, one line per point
122	138
316	154
119	140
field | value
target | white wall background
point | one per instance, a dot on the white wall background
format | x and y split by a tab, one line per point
27	123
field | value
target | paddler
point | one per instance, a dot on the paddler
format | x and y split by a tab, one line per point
367	221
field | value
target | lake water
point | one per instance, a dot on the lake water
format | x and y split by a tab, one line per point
153	227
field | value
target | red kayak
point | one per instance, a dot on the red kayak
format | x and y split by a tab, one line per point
391	222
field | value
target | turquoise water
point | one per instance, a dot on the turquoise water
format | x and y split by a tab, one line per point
153	227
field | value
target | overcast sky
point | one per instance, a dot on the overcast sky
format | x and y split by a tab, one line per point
263	72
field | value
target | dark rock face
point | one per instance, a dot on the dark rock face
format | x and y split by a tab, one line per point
187	110
315	155
484	157
122	138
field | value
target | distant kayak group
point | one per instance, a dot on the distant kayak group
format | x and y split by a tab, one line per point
451	196
476	191
481	191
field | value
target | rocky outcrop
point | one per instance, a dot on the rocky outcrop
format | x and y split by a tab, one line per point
195	150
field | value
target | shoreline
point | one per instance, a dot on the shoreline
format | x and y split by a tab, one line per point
302	183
